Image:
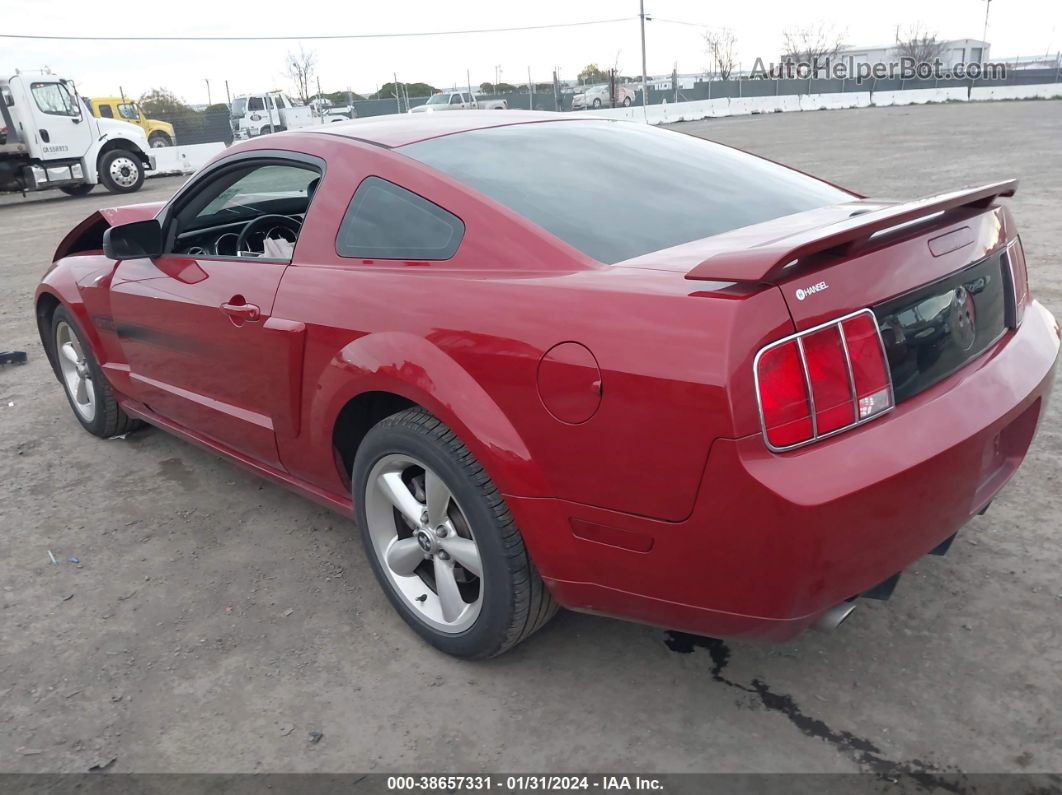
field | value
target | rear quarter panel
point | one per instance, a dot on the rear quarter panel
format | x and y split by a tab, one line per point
465	337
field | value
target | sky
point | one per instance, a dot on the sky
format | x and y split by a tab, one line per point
1016	27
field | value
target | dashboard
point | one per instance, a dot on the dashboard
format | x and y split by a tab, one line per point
223	240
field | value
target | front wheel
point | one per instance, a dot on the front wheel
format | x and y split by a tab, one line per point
90	396
626	102
441	540
121	171
597	102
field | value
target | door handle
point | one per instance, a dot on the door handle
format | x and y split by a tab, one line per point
248	312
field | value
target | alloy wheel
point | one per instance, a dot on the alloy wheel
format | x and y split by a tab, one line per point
424	544
77	377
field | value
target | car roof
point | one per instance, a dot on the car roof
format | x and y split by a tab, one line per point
405	128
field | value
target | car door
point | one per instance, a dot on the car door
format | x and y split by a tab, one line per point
196	325
60	124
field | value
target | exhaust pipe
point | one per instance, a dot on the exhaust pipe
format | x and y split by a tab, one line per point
835	616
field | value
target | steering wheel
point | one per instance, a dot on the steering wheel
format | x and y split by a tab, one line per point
264	223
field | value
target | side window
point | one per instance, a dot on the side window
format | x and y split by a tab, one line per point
385	221
269	102
455	99
128	111
106	111
53	98
280	102
226	218
255	103
9	100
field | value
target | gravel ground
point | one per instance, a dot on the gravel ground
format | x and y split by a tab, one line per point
214	621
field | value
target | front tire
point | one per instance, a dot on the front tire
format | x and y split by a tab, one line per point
597	102
441	540
121	171
88	392
626	102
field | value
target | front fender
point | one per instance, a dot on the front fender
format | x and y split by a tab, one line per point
414	368
60	284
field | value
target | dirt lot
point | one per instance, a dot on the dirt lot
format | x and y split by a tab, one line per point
213	621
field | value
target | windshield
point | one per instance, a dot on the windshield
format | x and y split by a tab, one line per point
617	190
438	99
239	106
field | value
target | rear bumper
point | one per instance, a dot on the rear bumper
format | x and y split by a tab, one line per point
776	540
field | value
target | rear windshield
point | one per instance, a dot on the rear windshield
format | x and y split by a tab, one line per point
616	190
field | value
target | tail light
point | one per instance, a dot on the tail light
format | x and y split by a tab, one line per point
1019	282
822	381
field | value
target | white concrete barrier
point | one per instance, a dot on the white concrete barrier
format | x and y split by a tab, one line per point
742	106
919	96
183	159
1042	91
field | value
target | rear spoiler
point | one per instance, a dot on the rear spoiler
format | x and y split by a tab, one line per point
765	263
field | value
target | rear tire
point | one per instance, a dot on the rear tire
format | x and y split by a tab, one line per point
509	599
77	190
626	102
121	171
88	392
159	140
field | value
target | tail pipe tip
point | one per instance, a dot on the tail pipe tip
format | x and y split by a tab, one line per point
835	616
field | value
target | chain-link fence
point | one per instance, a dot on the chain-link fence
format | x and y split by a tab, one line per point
215	123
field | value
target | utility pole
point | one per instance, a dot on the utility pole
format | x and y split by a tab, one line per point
207	79
530	91
984	35
645	77
468	80
398	92
228	96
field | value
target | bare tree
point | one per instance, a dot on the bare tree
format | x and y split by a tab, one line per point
300	69
921	46
720	44
808	45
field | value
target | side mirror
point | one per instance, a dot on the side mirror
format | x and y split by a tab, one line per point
133	241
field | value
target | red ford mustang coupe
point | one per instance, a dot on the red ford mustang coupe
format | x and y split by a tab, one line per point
703	391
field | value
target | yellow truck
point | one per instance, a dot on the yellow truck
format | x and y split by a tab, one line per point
159	133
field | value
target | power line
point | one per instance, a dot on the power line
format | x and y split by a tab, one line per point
317	37
678	22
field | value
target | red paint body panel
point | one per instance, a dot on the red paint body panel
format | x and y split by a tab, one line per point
683	517
775	540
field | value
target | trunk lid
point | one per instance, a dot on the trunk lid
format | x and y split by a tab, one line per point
939	292
933	271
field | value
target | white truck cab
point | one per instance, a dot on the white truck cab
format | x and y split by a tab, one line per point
252	115
49	139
